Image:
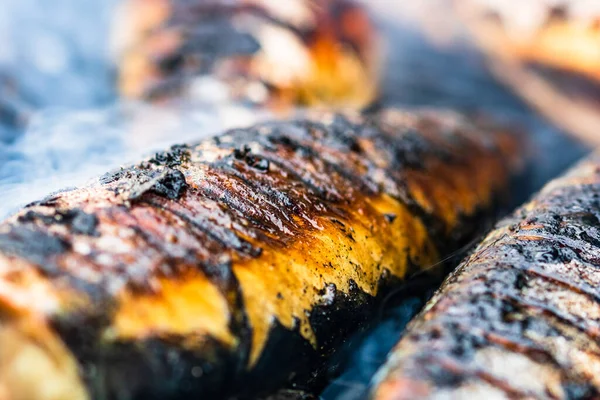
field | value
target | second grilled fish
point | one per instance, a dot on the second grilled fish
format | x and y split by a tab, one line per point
520	318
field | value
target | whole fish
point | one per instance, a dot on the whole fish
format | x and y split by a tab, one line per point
232	266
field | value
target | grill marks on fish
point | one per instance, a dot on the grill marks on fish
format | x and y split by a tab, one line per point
215	251
524	309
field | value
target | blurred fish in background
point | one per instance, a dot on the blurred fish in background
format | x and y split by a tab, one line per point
547	52
265	52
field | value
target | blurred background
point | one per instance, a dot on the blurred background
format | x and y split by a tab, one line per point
72	103
88	86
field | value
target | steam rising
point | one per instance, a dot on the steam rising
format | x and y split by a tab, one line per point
65	148
53	56
58	62
56	52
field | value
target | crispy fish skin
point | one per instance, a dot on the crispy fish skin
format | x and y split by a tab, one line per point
237	264
262	52
520	318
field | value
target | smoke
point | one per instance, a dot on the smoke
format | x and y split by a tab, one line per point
64	148
56	52
53	58
57	74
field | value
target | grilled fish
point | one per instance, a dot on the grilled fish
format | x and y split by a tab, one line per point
562	34
539	31
261	52
231	266
548	52
520	318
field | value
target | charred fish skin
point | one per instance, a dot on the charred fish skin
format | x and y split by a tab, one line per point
232	266
520	318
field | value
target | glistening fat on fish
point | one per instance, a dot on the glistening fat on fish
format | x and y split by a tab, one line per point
237	264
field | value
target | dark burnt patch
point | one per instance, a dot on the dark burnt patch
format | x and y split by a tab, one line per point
252	160
411	152
32	244
390	217
251	201
272	186
52	199
330	154
340	134
354	305
276	353
177	155
353	312
221	273
171	185
77	220
156	369
166	182
222	234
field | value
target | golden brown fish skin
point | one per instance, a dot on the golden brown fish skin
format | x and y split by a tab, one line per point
237	264
255	51
520	318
